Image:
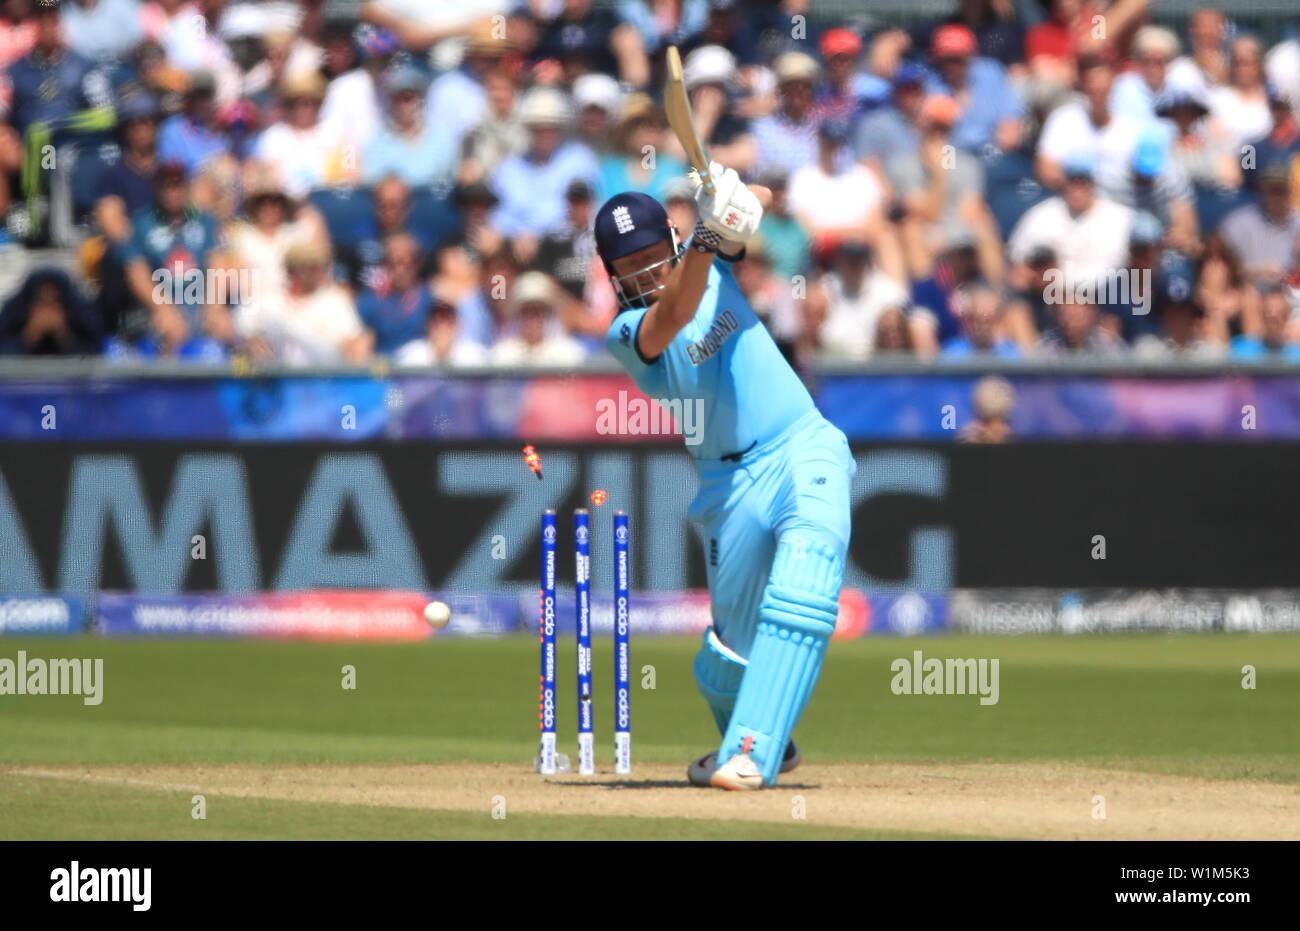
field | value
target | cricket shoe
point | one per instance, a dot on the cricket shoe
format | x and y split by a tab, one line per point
700	773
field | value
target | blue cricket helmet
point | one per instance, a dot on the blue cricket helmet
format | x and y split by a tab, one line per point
626	224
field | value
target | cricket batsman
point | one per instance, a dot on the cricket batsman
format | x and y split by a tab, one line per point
774	474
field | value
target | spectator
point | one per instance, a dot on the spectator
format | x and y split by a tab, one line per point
1077	332
1262	235
833	202
787	139
1157	187
1241	105
1087	232
127	183
784	239
397	311
890	134
979	311
1135	92
640	161
893	333
100	29
1180	318
569	254
942	196
355	61
363	261
531	186
1131	318
171	243
192	136
582	38
1201	149
537	339
407	147
47	317
500	134
303	152
993	401
1282	65
457	100
272	222
598	101
660	23
442	345
1274	343
1089	128
1052	47
51	82
709	73
17	31
1282	144
313	323
476	284
837	97
989	110
856	296
1206	64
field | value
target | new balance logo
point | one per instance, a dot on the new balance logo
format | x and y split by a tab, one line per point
622	220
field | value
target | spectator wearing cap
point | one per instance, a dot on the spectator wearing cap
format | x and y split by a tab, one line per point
709	74
357	66
100	29
396	309
1155	186
1275	341
568	252
1200	148
997	32
640	161
1179	316
271	223
531	185
1132	319
476	202
457	99
839	94
314	321
597	100
890	133
833	202
664	22
1282	144
1206	62
304	152
1087	126
1262	235
192	136
1135	92
787	138
408	147
942	196
126	183
170	242
51	82
855	296
979	311
784	239
1241	103
534	335
989	109
49	317
441	345
1087	232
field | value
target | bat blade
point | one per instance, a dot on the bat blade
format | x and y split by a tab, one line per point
677	105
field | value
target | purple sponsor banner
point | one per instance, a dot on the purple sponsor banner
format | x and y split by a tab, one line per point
41	615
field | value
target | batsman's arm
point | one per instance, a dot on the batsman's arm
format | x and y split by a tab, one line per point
680	298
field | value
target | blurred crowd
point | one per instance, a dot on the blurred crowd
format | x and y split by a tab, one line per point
329	181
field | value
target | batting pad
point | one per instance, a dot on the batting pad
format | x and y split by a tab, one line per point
718	672
797	618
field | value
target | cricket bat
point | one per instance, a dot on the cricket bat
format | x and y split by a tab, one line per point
678	107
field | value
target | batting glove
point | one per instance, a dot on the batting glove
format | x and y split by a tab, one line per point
732	211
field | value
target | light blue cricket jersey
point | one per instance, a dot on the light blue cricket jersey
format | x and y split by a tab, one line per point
724	357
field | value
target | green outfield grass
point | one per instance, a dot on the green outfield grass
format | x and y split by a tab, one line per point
1159	703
